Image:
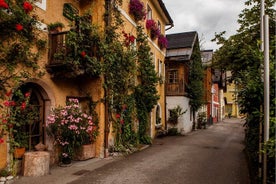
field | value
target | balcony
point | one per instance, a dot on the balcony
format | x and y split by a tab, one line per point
176	89
66	60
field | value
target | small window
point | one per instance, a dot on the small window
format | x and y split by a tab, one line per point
159	67
41	4
149	13
173	76
159	25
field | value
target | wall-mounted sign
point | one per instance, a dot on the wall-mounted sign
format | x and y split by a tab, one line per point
69	11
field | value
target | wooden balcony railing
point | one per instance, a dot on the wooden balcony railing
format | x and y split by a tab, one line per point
58	50
175	89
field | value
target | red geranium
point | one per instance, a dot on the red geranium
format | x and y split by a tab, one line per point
1	140
18	27
23	105
118	116
27	94
83	54
3	4
27	7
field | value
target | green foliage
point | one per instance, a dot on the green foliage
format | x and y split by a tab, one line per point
18	37
173	131
240	54
146	94
121	64
175	113
82	41
55	25
195	86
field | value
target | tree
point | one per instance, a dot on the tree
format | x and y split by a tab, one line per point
241	55
195	85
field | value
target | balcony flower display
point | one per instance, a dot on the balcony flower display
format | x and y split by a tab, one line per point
136	8
162	41
71	128
154	30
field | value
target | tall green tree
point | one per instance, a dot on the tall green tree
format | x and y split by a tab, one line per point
195	85
241	55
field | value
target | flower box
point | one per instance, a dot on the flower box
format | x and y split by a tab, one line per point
85	152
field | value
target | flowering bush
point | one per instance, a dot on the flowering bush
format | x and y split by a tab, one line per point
71	127
18	115
154	30
129	39
162	41
136	8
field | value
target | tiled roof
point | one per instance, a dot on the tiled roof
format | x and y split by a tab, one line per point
181	40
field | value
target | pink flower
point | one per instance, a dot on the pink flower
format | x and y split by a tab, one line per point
7	103
136	8
150	24
3	4
27	7
18	27
162	41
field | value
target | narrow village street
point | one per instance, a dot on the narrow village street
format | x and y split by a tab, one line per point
209	156
212	156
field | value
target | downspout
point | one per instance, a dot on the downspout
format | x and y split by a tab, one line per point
107	20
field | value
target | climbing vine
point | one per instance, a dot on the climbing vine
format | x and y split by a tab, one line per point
125	91
19	36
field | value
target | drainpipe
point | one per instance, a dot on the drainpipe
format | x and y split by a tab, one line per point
171	26
107	20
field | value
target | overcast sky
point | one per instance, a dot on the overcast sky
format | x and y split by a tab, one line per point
207	17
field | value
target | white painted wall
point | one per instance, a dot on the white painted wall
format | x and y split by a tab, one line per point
185	122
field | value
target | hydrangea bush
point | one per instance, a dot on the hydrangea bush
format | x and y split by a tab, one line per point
71	127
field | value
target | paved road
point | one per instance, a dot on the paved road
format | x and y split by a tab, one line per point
211	156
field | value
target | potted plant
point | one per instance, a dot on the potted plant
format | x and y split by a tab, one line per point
153	28
175	113
162	41
55	27
71	128
136	8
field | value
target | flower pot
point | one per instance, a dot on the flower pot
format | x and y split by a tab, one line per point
85	152
19	152
66	160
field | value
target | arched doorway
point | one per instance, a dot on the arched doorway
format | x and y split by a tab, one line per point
34	128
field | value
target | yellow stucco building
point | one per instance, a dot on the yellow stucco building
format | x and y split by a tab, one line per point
49	92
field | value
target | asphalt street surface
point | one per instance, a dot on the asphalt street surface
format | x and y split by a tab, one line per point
211	156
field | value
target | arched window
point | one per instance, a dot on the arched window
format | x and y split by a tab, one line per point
30	129
158	115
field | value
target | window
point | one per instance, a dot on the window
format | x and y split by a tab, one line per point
149	12
41	4
159	25
173	76
158	115
159	67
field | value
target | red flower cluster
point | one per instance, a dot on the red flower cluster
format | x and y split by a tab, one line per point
129	39
18	27
3	4
152	26
27	7
83	54
136	8
162	41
